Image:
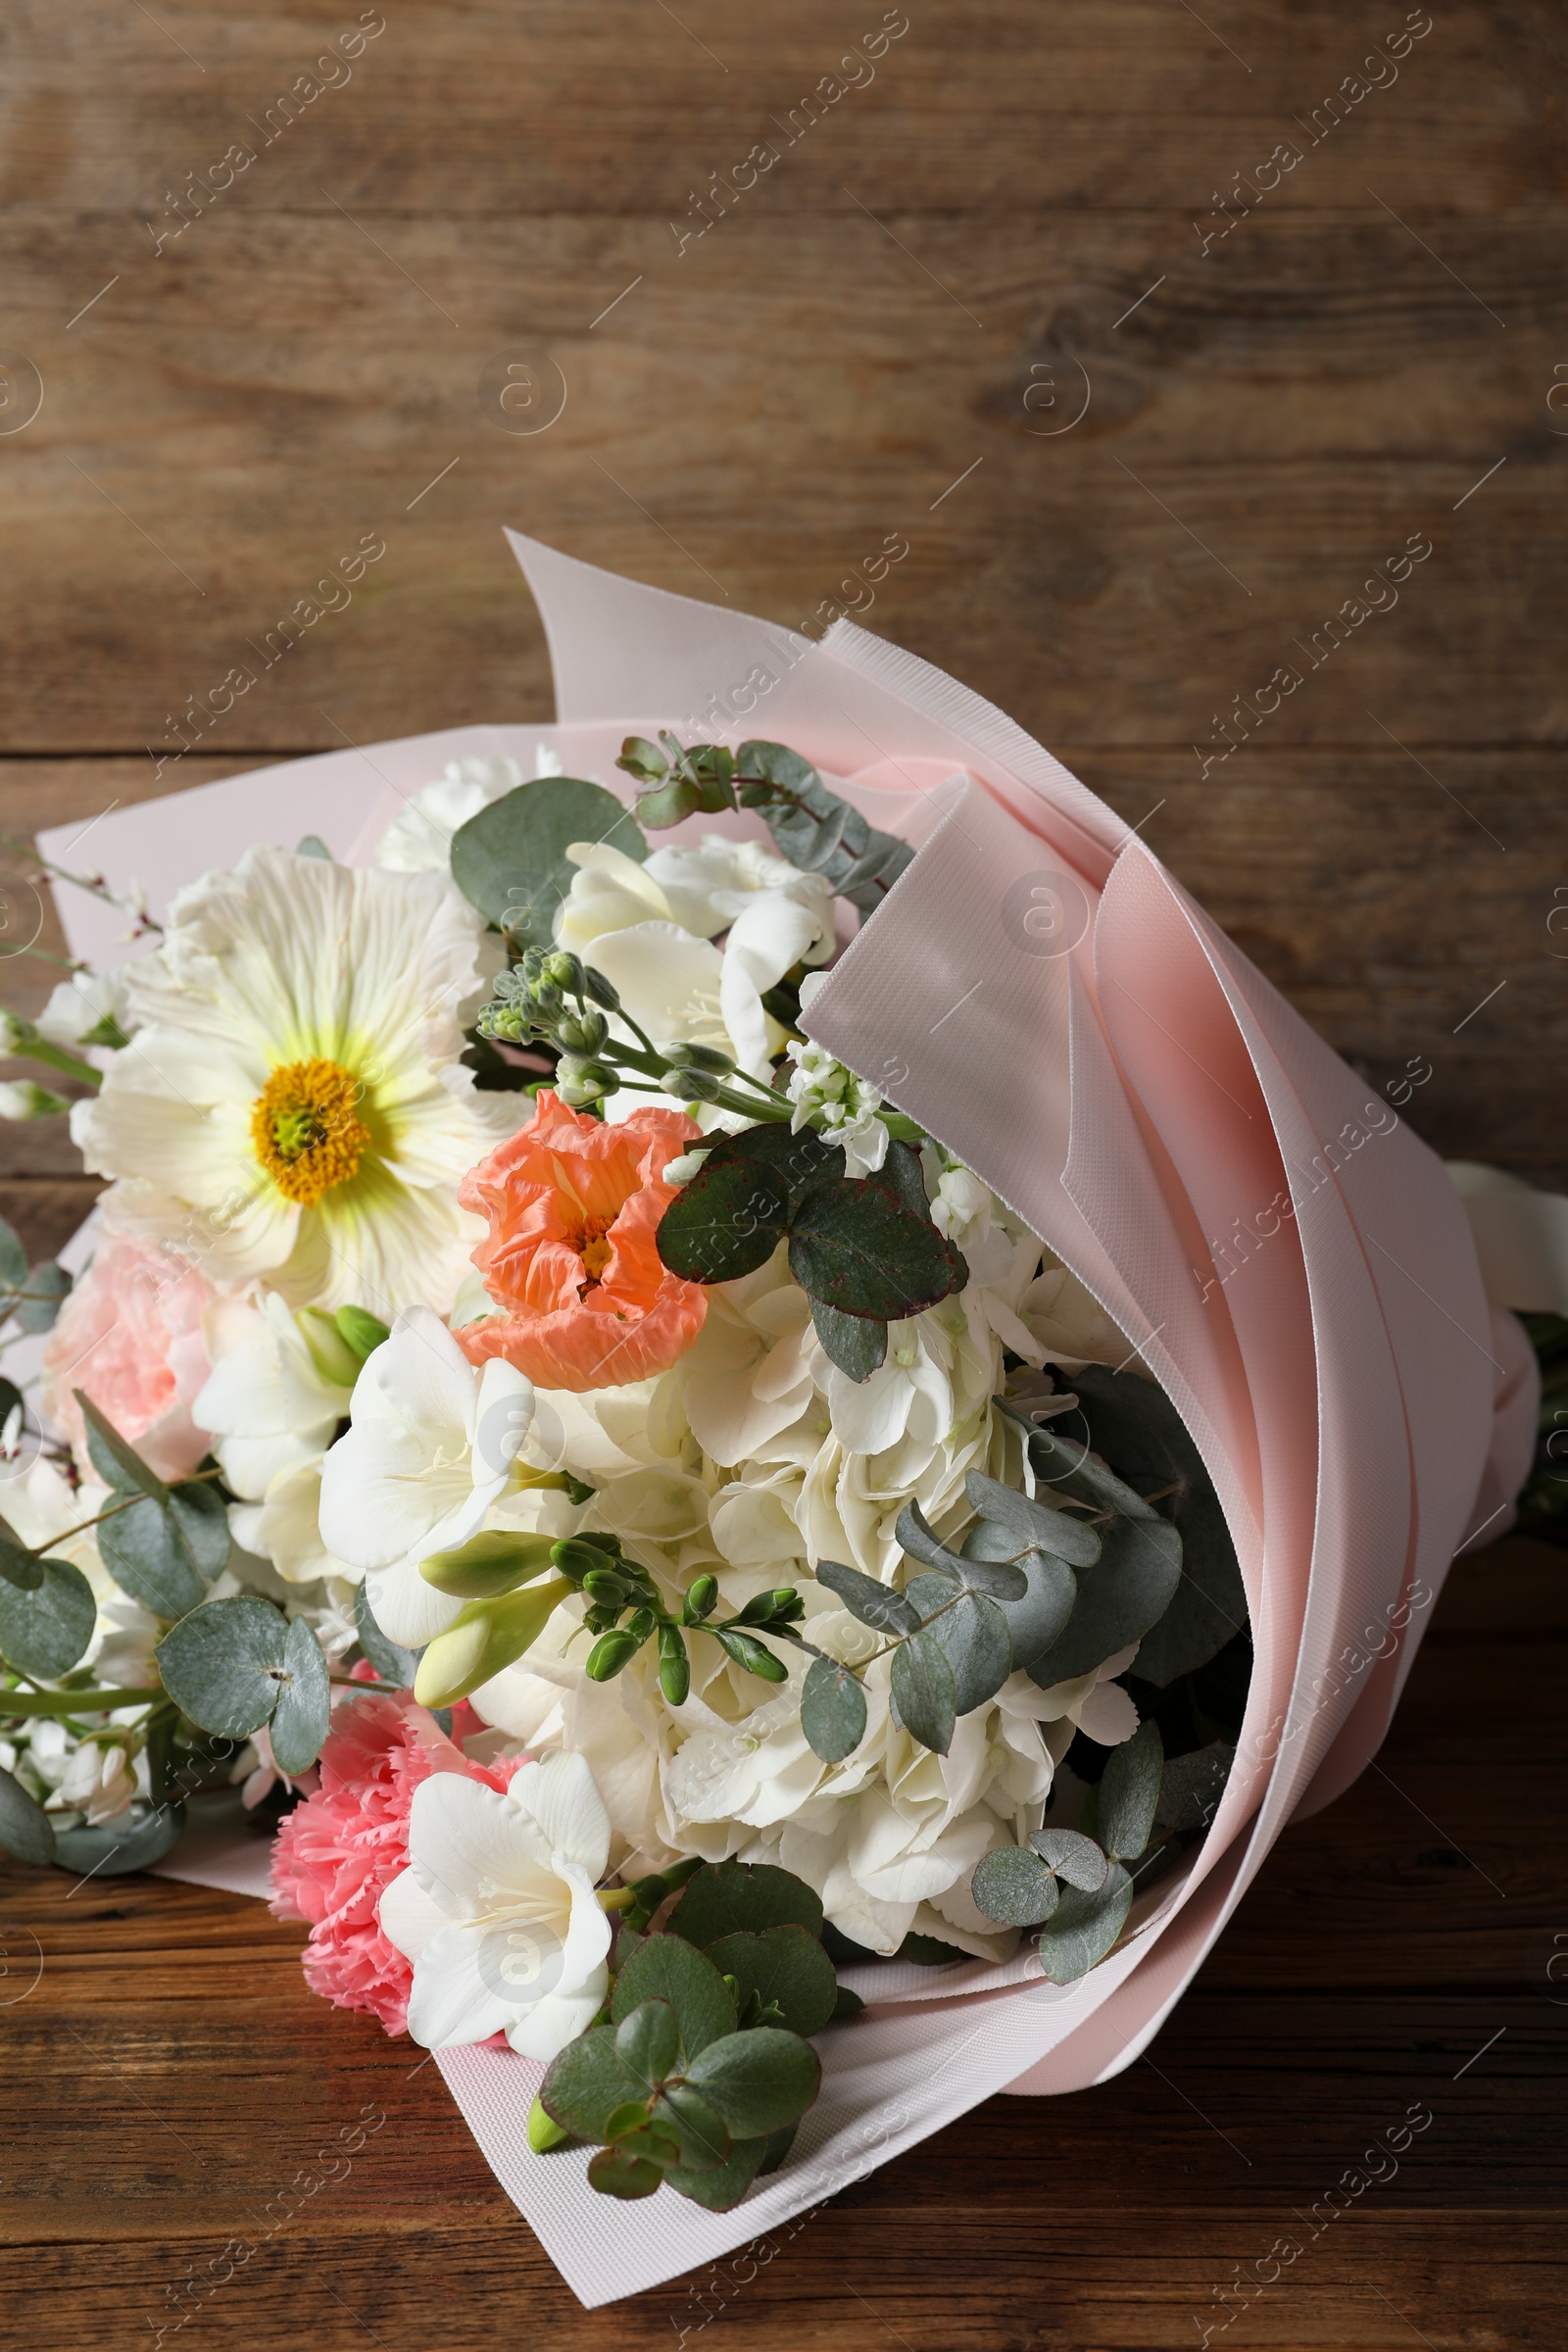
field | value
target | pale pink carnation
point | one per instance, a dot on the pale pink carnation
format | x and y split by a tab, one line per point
130	1337
337	1851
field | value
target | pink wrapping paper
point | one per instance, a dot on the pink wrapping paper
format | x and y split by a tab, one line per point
1293	1265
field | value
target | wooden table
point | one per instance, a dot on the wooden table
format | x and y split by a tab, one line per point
1012	209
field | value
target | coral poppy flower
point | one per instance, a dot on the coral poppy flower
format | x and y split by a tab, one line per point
571	1261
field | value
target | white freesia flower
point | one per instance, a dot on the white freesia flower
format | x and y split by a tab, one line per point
418	840
434	1444
271	1412
292	1107
705	889
498	1910
87	1002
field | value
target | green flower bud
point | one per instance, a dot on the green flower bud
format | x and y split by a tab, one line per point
699	1057
605	1589
595	1029
691	1086
642	1624
599	990
674	1666
565	970
485	1638
764	1607
329	1352
702	1600
362	1331
608	1655
574	1556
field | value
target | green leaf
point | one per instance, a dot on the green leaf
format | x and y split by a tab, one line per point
225	1663
902	1175
924	1692
998	1578
117	1464
801	1160
669	1968
1035	1622
832	1710
310	844
362	1330
855	1342
25	1830
392	1662
1072	1856
1118	1601
648	2043
701	2137
201	1523
1129	1793
1085	1927
48	1287
973	1634
725	1223
13	1258
18	1566
1015	1887
855	1246
757	2082
877	1606
44	1631
1135	1425
585	2084
778	2143
133	1841
616	2173
510	859
724	2185
1192	1787
1069	1471
784	1966
815	829
304	1703
929	1951
142	1549
488	1565
727	1898
1036	1525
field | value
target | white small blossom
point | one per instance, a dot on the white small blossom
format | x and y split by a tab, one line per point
841	1107
683	1169
86	1002
25	1099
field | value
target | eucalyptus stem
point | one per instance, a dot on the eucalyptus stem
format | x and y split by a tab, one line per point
72	1702
123	1504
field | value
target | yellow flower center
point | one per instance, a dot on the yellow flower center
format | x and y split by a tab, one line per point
305	1128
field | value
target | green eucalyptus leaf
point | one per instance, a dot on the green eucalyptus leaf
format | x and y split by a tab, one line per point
1015	1887
1037	1527
902	1173
225	1663
858	1344
726	1222
616	2173
1072	1856
778	2143
701	2137
45	1631
118	1463
25	1830
832	1710
797	1160
1069	1471
973	1634
1129	1793
719	2186
815	829
648	2041
924	1692
1036	1621
201	1525
877	1606
303	1701
855	1246
1192	1787
585	2084
757	2082
392	1662
1084	1927
13	1258
785	1966
510	860
47	1286
20	1567
728	1898
998	1578
144	1551
1118	1599
488	1565
667	1967
133	1840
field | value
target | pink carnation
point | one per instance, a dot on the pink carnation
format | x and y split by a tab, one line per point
337	1851
130	1337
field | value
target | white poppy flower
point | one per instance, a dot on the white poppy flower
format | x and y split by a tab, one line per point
418	840
292	1107
498	1910
434	1444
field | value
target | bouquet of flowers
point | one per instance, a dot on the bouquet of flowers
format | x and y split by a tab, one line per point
769	1458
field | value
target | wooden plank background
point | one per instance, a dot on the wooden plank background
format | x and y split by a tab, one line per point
890	333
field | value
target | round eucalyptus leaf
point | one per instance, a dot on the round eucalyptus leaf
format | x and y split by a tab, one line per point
510	860
648	2041
223	1665
757	2082
143	1547
44	1631
25	1830
133	1840
1072	1856
44	1292
924	1692
857	1246
201	1520
303	1700
1015	1887
832	1710
1129	1793
1084	1927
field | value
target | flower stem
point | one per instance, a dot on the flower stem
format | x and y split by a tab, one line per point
72	1702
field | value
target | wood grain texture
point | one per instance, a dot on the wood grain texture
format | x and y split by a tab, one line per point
881	337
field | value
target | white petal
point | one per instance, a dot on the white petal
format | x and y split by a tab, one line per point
1108	1715
405	1609
544	2030
409	1916
453	2002
560	1794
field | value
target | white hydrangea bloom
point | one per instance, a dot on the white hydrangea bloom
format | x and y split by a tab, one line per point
418	840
